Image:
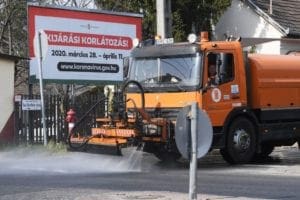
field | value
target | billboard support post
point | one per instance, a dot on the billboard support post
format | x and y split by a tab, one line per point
39	50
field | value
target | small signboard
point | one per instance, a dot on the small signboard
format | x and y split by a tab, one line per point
84	45
18	98
31	104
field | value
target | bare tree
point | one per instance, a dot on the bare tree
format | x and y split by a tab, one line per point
12	15
13	36
71	3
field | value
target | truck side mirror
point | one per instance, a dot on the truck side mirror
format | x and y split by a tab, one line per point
205	88
208	86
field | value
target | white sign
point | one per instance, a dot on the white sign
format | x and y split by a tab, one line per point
235	89
82	46
18	98
31	104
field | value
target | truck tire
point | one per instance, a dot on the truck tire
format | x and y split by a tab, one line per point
240	143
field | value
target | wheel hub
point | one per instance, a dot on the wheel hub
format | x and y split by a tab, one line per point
241	140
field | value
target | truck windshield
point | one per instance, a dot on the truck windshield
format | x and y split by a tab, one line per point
174	72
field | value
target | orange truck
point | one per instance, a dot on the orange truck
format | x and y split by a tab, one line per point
253	101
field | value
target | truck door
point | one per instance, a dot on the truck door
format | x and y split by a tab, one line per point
220	85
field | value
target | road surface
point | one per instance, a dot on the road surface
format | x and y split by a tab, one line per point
37	173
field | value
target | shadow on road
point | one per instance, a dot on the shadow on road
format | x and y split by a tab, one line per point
282	156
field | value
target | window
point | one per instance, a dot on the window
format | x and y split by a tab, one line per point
220	67
182	70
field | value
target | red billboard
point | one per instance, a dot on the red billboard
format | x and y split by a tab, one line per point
83	45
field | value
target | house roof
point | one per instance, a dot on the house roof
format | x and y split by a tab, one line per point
286	13
12	57
9	57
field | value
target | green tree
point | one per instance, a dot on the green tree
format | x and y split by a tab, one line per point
196	16
145	7
188	15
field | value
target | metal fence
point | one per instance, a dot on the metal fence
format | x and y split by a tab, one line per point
28	123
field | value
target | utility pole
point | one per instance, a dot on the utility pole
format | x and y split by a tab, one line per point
163	18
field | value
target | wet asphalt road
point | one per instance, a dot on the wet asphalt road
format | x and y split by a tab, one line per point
141	176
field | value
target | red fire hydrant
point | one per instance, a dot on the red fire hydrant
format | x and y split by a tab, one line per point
71	119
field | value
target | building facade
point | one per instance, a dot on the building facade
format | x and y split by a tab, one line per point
258	21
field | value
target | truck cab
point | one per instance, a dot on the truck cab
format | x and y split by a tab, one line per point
175	75
238	92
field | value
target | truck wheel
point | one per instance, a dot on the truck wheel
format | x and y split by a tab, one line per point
241	142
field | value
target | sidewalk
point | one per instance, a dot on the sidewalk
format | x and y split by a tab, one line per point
155	195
